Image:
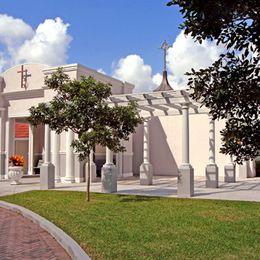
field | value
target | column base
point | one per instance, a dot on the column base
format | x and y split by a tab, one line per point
186	181
93	172
211	176
230	172
69	179
146	174
109	178
243	170
2	166
57	180
47	176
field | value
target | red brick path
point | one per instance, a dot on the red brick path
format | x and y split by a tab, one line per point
22	239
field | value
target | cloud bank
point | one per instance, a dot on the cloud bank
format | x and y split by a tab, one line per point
183	55
47	44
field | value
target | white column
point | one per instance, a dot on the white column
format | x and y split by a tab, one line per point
109	174
185	135
47	144
70	176
212	142
9	142
109	156
31	151
56	155
93	168
186	172
211	168
146	169
47	168
2	144
146	152
119	158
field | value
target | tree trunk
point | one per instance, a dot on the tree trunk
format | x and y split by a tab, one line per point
88	181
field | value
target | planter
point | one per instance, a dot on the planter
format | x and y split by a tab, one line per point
15	173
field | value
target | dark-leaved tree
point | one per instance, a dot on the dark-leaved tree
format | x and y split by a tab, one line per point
81	105
230	87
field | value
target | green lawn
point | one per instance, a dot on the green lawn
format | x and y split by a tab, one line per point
135	227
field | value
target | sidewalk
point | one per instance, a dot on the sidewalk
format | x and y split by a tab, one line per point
164	186
22	239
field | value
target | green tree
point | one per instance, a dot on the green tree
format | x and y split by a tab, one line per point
230	87
81	105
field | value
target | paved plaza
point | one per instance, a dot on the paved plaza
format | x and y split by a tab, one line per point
243	189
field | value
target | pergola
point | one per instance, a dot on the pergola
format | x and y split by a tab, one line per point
168	103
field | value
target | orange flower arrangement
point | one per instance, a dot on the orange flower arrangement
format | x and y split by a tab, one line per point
17	160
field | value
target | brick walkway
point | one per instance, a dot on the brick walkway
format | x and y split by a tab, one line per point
22	239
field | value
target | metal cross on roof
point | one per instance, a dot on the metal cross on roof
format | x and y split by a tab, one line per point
165	46
24	76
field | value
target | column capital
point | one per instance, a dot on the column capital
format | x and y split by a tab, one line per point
185	105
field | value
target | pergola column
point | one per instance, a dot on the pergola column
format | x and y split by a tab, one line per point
230	171
2	144
146	169
186	172
56	155
109	174
93	168
47	168
69	177
31	151
211	168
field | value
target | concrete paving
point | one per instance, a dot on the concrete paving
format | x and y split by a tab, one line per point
243	189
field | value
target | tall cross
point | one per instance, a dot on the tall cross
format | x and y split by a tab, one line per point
24	76
165	46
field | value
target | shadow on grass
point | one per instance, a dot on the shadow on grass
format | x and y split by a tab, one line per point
132	198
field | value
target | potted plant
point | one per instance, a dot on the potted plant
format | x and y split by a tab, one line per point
15	170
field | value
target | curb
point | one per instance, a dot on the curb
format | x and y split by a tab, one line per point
69	244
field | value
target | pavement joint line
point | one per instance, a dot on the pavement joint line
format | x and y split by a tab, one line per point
69	244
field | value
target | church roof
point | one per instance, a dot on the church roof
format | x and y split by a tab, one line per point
165	85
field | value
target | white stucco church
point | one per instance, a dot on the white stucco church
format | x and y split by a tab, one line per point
177	138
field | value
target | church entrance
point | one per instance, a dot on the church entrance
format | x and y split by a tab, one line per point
21	140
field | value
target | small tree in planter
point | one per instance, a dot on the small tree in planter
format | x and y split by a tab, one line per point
81	105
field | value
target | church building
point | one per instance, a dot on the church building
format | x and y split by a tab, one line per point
177	138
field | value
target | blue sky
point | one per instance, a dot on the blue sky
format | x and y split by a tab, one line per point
119	37
104	31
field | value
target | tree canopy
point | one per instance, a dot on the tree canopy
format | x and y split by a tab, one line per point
81	105
230	87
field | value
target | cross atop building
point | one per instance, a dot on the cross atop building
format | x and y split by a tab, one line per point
165	46
24	76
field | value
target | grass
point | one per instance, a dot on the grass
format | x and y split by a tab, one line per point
136	227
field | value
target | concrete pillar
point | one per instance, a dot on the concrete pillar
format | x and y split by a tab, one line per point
2	144
56	155
146	169
230	171
31	151
93	168
186	172
211	168
47	168
109	174
70	176
9	142
119	165
244	170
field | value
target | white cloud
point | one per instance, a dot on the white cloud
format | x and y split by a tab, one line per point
186	54
100	70
13	31
133	70
183	55
48	44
